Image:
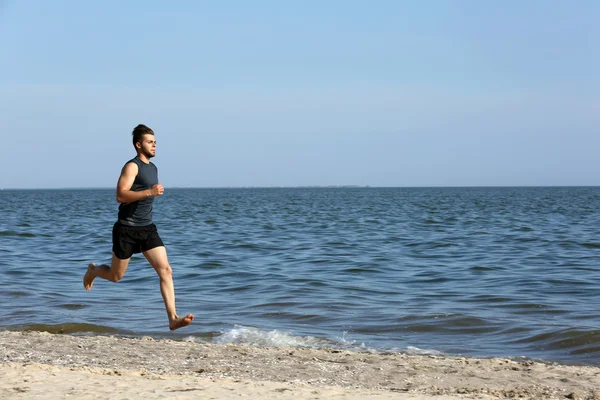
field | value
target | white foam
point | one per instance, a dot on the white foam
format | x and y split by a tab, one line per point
427	352
258	337
349	343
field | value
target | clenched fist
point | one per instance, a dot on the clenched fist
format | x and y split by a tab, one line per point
157	190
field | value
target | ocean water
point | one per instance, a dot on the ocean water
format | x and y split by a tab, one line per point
510	272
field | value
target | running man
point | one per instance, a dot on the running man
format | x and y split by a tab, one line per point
134	231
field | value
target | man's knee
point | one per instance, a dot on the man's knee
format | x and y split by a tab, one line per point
116	276
165	271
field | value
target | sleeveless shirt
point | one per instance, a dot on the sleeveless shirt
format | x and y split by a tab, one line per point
139	213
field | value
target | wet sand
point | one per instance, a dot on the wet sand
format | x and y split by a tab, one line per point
38	365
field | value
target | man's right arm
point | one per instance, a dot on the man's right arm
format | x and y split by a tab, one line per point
124	192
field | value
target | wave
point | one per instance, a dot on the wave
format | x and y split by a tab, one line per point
574	341
274	338
19	234
71	328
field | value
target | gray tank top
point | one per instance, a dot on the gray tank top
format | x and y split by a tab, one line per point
139	213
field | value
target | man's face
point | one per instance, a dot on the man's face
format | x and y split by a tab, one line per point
148	146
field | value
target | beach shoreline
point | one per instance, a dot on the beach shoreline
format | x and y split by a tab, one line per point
44	365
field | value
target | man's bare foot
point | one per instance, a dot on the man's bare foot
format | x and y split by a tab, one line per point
180	322
88	278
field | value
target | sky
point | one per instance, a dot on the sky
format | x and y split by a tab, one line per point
281	93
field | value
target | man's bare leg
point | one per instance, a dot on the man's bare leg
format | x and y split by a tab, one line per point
114	273
157	257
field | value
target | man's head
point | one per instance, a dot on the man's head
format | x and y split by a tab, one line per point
143	141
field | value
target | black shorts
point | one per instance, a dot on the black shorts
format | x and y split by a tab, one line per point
128	240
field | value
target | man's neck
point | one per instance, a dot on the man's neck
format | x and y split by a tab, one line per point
144	159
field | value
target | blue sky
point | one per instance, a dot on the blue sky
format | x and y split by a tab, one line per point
276	93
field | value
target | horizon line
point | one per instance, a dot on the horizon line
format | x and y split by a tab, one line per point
315	187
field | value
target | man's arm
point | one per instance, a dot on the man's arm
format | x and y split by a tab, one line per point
124	192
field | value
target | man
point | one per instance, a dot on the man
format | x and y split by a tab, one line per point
134	231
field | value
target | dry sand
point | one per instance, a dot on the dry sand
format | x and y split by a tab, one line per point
38	365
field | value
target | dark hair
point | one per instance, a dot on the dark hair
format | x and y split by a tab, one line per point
139	132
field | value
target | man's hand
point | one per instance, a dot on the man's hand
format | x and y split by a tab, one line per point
157	190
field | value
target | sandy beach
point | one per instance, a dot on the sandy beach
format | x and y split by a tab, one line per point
38	365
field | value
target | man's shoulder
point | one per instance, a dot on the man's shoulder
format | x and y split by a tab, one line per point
131	164
135	161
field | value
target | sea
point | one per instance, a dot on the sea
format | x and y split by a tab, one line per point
478	272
